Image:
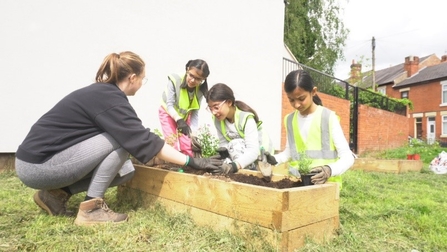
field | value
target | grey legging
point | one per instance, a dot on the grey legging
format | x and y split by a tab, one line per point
92	165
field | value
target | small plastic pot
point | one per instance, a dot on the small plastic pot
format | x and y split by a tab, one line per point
305	179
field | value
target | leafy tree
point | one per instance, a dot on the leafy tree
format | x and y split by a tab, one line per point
314	33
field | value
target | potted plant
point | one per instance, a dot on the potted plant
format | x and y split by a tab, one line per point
410	154
303	169
413	149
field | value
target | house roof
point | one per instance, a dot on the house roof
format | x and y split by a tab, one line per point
426	74
390	74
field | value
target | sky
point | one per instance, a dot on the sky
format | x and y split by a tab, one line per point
400	28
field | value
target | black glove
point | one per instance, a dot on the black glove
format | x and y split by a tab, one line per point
216	157
205	164
270	159
227	168
223	152
195	144
323	173
183	128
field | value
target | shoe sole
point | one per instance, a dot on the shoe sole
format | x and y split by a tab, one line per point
92	223
40	203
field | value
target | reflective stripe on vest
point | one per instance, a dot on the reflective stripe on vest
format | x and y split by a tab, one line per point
240	120
318	145
182	104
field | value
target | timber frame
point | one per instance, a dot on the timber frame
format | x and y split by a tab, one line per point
286	217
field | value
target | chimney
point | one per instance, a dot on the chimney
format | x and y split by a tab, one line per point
356	70
444	58
411	65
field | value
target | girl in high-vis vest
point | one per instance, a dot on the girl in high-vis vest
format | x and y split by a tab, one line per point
314	130
239	130
179	110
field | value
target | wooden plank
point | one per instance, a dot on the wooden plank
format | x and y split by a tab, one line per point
310	204
281	241
390	166
387	165
319	232
245	202
267	207
205	218
410	166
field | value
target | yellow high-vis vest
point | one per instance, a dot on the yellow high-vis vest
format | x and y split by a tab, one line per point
240	119
318	146
182	104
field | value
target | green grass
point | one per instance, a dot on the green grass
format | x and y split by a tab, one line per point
378	212
24	227
427	152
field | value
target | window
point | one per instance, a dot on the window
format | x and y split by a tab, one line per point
444	92
404	94
444	125
382	90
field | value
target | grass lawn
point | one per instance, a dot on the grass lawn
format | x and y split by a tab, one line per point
378	212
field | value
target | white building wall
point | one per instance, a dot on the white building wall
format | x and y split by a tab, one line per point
49	48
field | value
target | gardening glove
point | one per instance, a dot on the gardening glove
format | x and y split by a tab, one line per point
323	173
228	168
270	158
205	164
183	128
223	153
216	157
196	146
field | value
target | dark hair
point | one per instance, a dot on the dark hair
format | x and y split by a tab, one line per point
116	67
301	78
202	66
222	92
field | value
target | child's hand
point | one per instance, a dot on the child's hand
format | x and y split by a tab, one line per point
323	173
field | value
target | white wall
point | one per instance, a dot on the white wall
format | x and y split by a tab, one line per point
50	48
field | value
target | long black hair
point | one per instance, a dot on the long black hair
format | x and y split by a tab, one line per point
202	66
222	92
301	78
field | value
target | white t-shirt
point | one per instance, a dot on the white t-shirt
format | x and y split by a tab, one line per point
346	157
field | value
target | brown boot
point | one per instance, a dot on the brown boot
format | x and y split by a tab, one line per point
53	201
95	211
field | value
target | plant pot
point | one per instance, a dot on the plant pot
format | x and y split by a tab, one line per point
416	157
305	179
410	156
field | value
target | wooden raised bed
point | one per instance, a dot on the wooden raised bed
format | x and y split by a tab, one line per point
389	166
286	216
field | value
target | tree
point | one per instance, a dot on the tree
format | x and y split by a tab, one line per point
314	33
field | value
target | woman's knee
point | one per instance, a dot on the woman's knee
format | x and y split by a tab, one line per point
127	177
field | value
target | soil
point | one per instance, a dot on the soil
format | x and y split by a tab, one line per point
238	177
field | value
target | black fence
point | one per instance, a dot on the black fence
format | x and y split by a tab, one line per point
341	88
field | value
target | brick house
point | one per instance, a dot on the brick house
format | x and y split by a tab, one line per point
424	82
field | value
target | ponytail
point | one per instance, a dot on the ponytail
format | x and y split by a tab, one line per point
244	107
317	100
116	67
